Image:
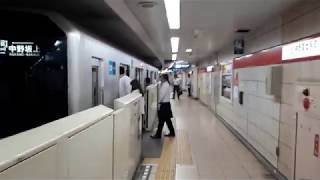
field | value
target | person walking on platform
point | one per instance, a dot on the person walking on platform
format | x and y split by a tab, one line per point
176	87
188	82
165	112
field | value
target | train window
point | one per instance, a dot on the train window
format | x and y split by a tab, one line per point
33	72
226	79
127	68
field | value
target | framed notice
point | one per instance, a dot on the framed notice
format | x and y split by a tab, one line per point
239	46
112	67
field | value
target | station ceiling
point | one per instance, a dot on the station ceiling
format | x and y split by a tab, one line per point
207	26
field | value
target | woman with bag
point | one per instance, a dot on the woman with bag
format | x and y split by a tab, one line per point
165	112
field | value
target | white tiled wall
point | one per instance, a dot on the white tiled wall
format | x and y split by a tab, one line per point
298	22
258	118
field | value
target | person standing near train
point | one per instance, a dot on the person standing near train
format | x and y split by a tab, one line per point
176	87
165	112
124	83
188	83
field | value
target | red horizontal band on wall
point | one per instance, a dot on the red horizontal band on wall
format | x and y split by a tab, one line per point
311	58
262	58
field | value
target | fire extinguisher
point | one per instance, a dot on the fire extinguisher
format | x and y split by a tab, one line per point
306	99
306	103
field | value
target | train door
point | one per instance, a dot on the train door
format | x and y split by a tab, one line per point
97	81
139	75
151	76
95	85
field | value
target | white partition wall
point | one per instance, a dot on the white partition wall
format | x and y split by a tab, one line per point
152	107
128	125
43	165
79	146
308	131
88	154
194	86
122	161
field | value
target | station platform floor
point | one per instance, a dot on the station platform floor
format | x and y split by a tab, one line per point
203	149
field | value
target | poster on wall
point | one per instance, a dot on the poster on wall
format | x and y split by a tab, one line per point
112	67
226	81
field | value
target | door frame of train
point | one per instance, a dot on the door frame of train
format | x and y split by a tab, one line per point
97	63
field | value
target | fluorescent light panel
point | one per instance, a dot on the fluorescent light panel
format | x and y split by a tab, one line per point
175	44
173	13
188	50
174	57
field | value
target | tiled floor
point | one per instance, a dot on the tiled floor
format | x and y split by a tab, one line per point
216	153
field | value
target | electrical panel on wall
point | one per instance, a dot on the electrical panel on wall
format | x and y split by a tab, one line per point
274	81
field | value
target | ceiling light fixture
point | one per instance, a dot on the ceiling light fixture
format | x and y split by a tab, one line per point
174	57
188	50
175	44
173	13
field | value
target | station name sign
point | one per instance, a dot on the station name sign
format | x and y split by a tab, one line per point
301	49
21	49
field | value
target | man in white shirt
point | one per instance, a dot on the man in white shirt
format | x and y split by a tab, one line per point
165	112
124	83
188	83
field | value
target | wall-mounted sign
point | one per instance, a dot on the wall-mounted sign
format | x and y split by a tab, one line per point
112	68
19	48
209	68
181	66
239	46
301	49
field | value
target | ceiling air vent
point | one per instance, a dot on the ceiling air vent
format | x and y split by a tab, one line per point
147	4
243	30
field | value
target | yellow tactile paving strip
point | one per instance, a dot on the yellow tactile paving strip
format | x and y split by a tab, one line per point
174	151
167	164
151	161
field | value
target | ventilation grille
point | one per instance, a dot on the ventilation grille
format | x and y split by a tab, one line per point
147	4
243	30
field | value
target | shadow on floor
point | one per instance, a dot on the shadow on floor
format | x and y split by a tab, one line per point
151	148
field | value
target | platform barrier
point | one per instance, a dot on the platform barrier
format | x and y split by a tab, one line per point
151	107
98	143
127	135
76	147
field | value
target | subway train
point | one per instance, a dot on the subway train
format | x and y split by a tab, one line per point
50	68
